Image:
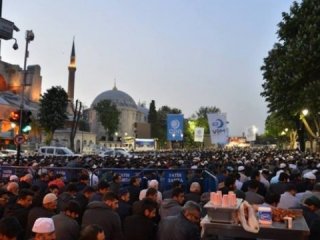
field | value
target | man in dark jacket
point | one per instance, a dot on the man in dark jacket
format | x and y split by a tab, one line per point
168	193
66	196
172	206
9	228
124	208
103	214
115	185
141	226
4	199
49	206
83	199
182	226
66	227
103	187
20	209
134	189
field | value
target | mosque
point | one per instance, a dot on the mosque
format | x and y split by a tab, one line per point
133	121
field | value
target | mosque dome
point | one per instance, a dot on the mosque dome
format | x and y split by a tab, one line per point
119	98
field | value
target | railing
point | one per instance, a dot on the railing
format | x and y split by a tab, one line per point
165	177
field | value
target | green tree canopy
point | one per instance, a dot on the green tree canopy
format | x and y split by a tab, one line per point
291	71
108	116
153	119
53	110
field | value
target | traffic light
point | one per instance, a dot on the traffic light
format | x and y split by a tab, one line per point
15	117
26	121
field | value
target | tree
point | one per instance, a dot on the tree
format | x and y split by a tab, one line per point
291	71
281	129
152	119
108	116
53	111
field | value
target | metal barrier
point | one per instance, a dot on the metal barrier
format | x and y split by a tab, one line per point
165	177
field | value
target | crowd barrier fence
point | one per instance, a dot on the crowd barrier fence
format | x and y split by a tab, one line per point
165	177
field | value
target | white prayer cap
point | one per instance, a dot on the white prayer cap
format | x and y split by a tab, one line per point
282	165
240	168
13	178
309	175
43	225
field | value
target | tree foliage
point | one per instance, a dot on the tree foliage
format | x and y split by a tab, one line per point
153	119
291	71
53	110
108	116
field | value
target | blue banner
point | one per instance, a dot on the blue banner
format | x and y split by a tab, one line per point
175	127
170	176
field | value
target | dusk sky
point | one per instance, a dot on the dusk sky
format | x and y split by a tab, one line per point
181	53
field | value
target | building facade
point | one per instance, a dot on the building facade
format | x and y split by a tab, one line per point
130	115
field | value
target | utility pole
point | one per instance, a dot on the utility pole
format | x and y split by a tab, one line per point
29	38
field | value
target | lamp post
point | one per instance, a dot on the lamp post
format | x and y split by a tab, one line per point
29	38
303	115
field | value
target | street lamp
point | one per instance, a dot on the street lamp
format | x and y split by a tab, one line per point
29	38
305	112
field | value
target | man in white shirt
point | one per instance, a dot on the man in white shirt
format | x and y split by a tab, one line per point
288	199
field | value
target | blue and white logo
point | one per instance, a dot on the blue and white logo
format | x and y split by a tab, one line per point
175	124
218	123
174	127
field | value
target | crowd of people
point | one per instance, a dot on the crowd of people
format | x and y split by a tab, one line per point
41	204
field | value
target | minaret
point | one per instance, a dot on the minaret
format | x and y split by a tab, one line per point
72	72
115	85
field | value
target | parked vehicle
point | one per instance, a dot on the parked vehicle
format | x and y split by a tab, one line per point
109	152
56	151
8	152
115	152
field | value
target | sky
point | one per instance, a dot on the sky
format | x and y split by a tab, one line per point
181	53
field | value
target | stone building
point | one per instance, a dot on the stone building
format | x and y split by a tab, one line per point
11	86
133	119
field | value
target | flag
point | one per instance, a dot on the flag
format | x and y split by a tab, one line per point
198	134
251	133
175	127
219	132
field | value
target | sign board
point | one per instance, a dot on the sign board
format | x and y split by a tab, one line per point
6	29
251	133
174	127
19	139
171	176
198	134
219	132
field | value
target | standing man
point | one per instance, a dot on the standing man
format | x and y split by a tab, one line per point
134	189
185	225
47	210
9	228
141	226
116	183
103	214
20	209
172	206
65	223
